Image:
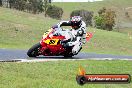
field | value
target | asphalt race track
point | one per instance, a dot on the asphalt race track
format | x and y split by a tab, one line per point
11	54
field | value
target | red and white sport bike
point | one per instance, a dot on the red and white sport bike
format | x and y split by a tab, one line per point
52	46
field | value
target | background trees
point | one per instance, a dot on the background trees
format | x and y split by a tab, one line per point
0	2
35	7
105	19
54	12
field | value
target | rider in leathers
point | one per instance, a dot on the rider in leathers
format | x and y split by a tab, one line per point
78	32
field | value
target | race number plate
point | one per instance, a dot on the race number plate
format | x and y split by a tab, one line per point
52	41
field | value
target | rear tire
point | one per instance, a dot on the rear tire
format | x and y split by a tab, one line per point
68	55
33	51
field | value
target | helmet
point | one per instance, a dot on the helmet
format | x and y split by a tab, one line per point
76	22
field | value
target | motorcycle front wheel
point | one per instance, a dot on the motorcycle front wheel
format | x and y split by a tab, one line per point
34	50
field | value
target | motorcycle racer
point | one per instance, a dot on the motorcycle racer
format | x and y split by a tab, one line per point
78	31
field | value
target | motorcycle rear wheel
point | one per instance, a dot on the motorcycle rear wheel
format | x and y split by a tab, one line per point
68	55
33	51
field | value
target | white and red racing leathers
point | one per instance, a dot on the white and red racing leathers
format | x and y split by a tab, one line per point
78	35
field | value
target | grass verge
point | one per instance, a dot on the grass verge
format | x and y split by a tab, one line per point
59	74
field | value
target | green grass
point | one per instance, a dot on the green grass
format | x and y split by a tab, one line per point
60	74
21	30
126	31
117	5
109	42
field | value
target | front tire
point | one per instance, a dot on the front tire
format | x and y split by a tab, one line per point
34	50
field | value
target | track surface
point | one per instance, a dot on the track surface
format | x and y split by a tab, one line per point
9	54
